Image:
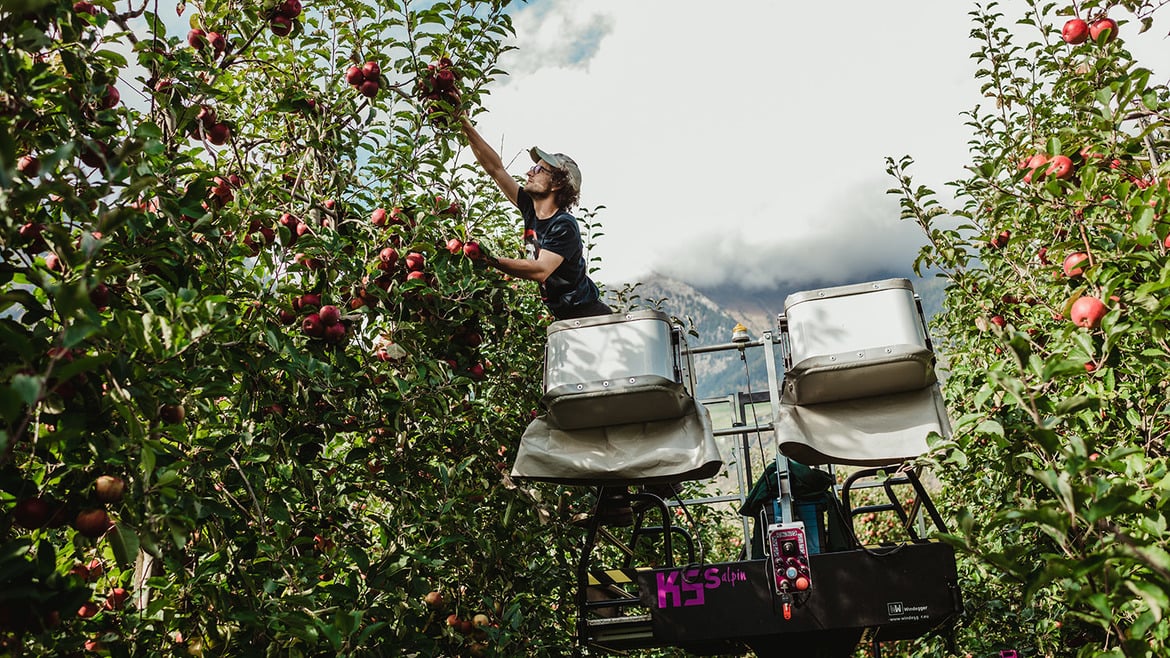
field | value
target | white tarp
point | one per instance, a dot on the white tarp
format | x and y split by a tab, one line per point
873	431
673	450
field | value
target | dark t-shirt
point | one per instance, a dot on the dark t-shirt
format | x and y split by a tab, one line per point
569	286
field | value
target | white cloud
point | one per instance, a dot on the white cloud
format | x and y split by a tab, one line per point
860	234
748	129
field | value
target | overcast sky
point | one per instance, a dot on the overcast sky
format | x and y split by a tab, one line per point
746	140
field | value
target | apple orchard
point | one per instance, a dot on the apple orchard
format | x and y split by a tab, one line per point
260	395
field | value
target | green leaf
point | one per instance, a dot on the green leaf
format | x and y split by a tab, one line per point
27	388
113	58
1062	368
124	543
1075	403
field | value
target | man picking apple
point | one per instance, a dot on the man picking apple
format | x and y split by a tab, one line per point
552	238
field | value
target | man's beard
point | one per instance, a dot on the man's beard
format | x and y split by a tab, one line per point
538	195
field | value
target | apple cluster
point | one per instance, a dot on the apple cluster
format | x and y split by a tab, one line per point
1040	165
1077	31
471	248
200	40
475	629
317	320
367	78
438	88
284	17
87	514
208	126
222	191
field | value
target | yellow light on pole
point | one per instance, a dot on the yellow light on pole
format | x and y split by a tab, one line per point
739	334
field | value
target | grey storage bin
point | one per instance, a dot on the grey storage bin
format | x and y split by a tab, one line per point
855	341
615	369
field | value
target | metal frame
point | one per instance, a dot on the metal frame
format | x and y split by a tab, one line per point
620	633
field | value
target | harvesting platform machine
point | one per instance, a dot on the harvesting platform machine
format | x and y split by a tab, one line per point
851	397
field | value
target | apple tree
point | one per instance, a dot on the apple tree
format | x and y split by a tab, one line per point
1055	335
256	396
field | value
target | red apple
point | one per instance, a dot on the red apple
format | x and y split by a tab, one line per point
308	300
280	25
92	523
1032	164
81	571
99	296
1060	166
369	88
116	599
334	333
197	39
217	41
1087	312
455	245
329	314
353	75
172	414
415	275
312	326
87	610
83	7
1106	27
32	513
998	320
476	371
109	488
1074	264
309	262
388	255
378	217
434	599
287	317
94	155
453	620
415	261
1000	241
472	250
289	8
219	134
28	166
1075	31
371	71
206	116
31	235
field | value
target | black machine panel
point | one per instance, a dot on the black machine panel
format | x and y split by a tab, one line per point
900	592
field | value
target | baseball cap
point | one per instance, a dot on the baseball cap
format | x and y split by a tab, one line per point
560	161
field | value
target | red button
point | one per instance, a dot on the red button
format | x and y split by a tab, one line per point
802	583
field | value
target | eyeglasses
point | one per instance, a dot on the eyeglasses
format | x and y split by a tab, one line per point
536	169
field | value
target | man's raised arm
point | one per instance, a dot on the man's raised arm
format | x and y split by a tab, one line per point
490	160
